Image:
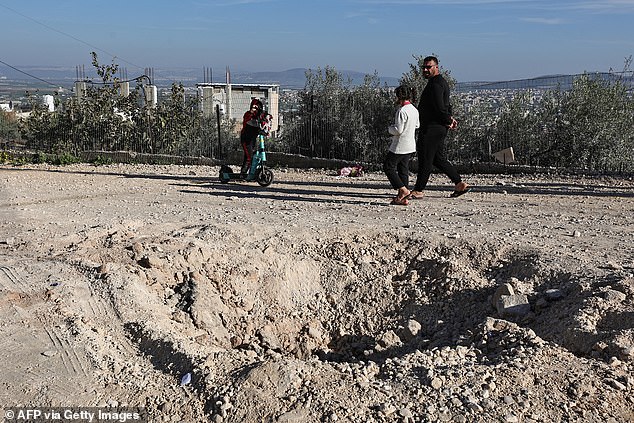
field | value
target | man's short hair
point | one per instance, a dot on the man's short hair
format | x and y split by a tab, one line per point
431	59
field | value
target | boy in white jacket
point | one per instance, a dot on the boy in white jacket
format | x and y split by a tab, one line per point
403	146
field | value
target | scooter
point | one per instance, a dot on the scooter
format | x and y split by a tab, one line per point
257	172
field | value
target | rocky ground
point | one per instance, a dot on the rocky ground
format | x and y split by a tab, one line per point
314	300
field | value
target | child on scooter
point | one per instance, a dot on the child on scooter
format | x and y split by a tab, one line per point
249	133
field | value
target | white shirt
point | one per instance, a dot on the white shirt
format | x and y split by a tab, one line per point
403	131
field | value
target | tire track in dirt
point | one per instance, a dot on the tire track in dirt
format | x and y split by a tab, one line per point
12	281
73	363
33	333
35	357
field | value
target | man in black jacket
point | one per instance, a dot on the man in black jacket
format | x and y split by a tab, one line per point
435	120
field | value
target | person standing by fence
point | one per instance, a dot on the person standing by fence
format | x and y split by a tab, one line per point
436	119
396	164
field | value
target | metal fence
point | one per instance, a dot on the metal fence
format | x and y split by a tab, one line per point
157	141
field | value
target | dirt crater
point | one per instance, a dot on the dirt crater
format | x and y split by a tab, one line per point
368	298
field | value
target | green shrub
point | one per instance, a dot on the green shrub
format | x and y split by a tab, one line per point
5	157
102	160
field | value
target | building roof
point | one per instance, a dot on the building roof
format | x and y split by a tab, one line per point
223	85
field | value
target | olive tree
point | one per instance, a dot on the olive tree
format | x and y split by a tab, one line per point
591	125
337	120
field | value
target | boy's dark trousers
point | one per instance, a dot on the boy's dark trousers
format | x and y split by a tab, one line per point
396	168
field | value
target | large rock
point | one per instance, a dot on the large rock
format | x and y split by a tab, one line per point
516	305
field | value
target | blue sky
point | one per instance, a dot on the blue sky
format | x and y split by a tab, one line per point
474	39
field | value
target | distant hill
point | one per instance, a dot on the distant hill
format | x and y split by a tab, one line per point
292	78
296	78
546	82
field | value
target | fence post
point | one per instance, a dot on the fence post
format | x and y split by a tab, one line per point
310	126
219	138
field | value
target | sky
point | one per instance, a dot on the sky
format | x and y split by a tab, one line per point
476	40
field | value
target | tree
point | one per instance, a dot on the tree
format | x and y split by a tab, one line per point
517	126
594	126
8	127
337	120
105	120
474	137
321	101
375	104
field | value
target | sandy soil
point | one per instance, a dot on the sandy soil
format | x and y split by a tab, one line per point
315	300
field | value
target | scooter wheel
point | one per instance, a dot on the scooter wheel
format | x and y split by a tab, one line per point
264	177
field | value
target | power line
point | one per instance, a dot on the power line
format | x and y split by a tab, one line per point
71	36
68	35
137	79
28	74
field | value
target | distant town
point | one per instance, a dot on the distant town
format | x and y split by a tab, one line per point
18	90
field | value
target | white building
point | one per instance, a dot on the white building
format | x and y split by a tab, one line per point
49	102
234	100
